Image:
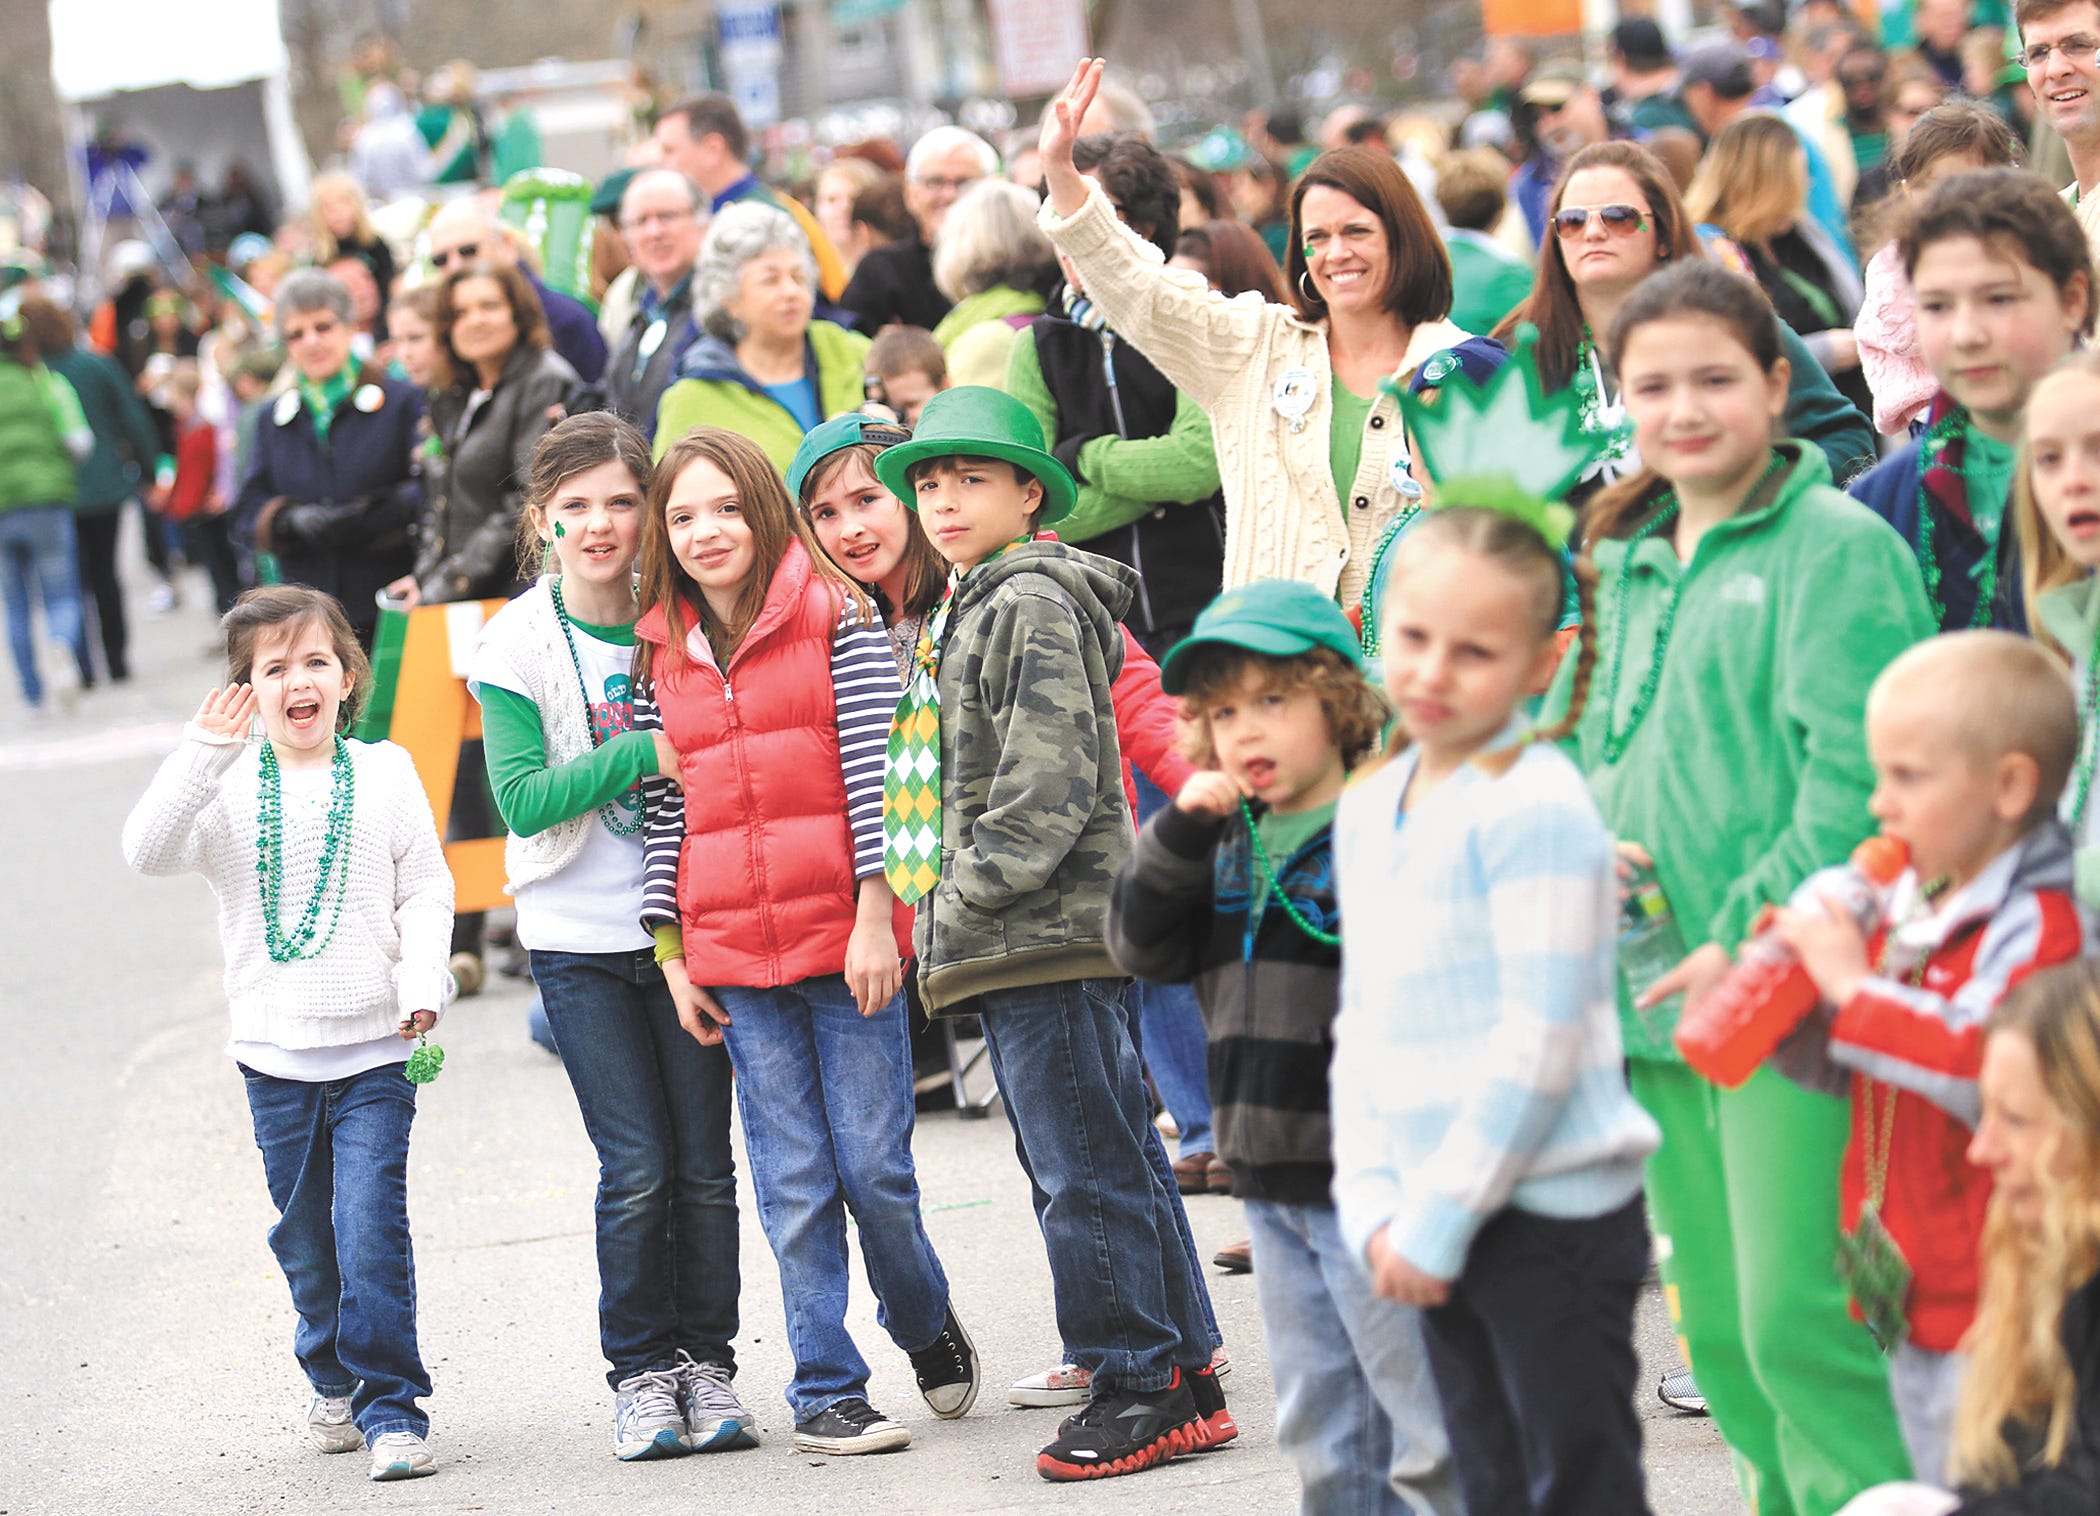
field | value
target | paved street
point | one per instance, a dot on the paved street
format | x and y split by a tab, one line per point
145	1360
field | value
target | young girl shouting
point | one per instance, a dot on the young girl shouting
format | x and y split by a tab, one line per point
552	673
335	916
1744	609
2004	287
769	672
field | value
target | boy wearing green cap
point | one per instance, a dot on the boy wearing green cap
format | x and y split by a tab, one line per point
1232	886
1005	820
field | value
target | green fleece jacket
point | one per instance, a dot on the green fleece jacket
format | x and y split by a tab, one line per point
713	391
1121	479
2070	613
1750	769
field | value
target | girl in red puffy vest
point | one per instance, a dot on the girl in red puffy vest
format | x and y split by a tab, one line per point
771	674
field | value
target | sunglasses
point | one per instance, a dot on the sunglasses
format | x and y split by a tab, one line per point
1620	220
466	252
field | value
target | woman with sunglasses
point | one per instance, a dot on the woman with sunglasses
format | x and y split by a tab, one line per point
1615	220
1753	187
1312	457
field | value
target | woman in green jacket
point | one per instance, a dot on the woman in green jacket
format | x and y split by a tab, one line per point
1744	609
996	265
762	368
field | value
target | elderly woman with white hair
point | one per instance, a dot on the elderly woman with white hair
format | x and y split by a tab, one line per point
762	367
997	266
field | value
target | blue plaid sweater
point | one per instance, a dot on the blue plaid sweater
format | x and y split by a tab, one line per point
1477	1061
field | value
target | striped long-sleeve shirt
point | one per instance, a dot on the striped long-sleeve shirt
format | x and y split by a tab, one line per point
1477	1061
864	691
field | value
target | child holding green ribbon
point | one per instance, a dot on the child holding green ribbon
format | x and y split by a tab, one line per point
324	1006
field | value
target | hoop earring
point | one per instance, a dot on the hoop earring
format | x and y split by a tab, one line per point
1309	296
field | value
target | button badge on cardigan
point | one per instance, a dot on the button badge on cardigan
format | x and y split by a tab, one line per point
1294	395
1403	476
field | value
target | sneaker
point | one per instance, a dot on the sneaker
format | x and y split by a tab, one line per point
647	1420
1679	1392
1214	1425
328	1422
1067	1384
1121	1432
947	1370
852	1426
1236	1259
466	973
715	1420
401	1455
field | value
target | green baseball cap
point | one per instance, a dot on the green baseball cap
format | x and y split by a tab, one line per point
1279	617
973	421
840	432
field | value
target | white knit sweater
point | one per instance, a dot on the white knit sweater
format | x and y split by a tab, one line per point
1282	517
529	632
386	957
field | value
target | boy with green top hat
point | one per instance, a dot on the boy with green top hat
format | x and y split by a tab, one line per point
1005	821
1233	887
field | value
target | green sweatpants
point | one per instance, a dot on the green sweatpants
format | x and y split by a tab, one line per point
1745	1190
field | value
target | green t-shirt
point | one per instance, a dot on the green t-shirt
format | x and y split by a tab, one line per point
1987	474
1283	835
1345	440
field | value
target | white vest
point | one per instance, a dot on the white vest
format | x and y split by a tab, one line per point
531	633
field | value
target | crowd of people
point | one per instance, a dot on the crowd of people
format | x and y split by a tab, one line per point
1263	629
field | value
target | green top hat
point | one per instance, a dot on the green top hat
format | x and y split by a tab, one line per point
1279	617
840	432
976	422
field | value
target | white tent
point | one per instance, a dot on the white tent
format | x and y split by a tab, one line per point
206	84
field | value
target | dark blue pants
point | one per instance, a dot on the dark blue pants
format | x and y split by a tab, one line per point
1533	1357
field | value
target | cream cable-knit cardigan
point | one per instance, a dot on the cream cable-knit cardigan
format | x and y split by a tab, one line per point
1282	519
386	957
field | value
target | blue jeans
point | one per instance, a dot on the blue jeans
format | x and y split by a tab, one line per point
1357	1412
1130	1304
1177	1050
336	1157
826	1100
656	1105
38	557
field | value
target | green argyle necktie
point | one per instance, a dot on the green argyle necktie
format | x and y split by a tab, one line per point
911	768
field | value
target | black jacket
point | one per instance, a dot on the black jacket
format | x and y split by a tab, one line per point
646	359
478	472
1177	550
340	515
2072	1488
895	283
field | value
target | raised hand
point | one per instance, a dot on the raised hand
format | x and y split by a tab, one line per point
228	712
1060	130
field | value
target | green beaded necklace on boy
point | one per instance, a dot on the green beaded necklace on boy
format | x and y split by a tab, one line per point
1618	738
607	812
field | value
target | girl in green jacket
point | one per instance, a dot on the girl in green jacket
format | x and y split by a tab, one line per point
1745	606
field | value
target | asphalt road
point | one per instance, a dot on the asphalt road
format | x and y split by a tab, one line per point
145	1362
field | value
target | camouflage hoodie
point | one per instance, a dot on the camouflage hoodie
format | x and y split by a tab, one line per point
1034	824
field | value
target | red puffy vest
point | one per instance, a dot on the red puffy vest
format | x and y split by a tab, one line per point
766	893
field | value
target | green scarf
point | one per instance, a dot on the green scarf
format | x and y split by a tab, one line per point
321	400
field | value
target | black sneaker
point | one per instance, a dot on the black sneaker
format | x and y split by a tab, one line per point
851	1426
947	1370
1214	1424
1123	1431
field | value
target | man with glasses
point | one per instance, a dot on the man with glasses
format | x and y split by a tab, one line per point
465	233
2060	45
663	220
704	139
1567	114
894	283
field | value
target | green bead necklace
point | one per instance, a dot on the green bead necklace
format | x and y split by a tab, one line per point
2089	729
607	812
1374	588
1276	893
308	939
1616	737
1944	431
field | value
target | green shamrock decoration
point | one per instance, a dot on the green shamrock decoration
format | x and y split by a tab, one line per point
425	1063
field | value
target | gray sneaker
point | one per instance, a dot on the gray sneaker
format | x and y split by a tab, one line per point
715	1420
647	1421
328	1423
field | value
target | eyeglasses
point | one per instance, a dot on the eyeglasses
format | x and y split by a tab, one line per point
655	218
2079	47
466	252
947	186
1619	220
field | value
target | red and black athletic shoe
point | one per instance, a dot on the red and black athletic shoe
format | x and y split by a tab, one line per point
1122	1432
1214	1424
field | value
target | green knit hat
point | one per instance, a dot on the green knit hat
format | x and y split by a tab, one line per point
973	421
1279	617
